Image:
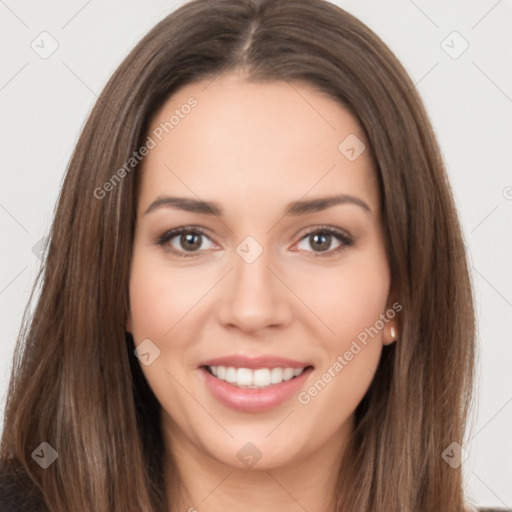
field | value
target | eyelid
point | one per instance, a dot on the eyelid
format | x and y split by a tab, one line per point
341	235
171	233
345	239
168	235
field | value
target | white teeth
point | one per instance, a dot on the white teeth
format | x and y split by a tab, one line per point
276	375
230	375
244	377
288	373
260	378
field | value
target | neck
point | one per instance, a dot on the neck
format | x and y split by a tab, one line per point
198	482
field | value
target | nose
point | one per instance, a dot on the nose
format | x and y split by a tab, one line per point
254	297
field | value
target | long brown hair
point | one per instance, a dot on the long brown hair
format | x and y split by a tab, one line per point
76	383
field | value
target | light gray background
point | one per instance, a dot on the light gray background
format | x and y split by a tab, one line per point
469	98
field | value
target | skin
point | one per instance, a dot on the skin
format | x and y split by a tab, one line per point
253	148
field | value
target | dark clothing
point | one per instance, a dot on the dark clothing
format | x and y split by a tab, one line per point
18	493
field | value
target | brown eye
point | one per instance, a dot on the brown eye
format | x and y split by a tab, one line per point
321	239
183	241
191	241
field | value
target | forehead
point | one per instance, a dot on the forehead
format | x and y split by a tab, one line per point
231	139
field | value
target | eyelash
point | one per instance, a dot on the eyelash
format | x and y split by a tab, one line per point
346	241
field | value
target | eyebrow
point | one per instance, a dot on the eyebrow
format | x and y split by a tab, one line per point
294	208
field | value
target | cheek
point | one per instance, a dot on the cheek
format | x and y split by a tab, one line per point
159	298
350	302
352	305
351	298
163	305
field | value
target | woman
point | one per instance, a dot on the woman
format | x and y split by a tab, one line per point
256	290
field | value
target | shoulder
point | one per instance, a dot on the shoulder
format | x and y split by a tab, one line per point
485	509
18	493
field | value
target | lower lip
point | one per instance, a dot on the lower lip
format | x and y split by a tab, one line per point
251	399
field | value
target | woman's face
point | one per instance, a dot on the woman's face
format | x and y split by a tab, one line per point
257	291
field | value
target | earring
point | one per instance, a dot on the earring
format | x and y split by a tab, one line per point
392	331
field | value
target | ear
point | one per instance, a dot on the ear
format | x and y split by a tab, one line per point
129	327
391	332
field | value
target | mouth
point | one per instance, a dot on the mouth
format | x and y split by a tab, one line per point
261	378
252	385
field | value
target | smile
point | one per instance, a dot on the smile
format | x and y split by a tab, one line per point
254	384
254	379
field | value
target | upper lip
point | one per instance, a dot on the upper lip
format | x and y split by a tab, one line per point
239	361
